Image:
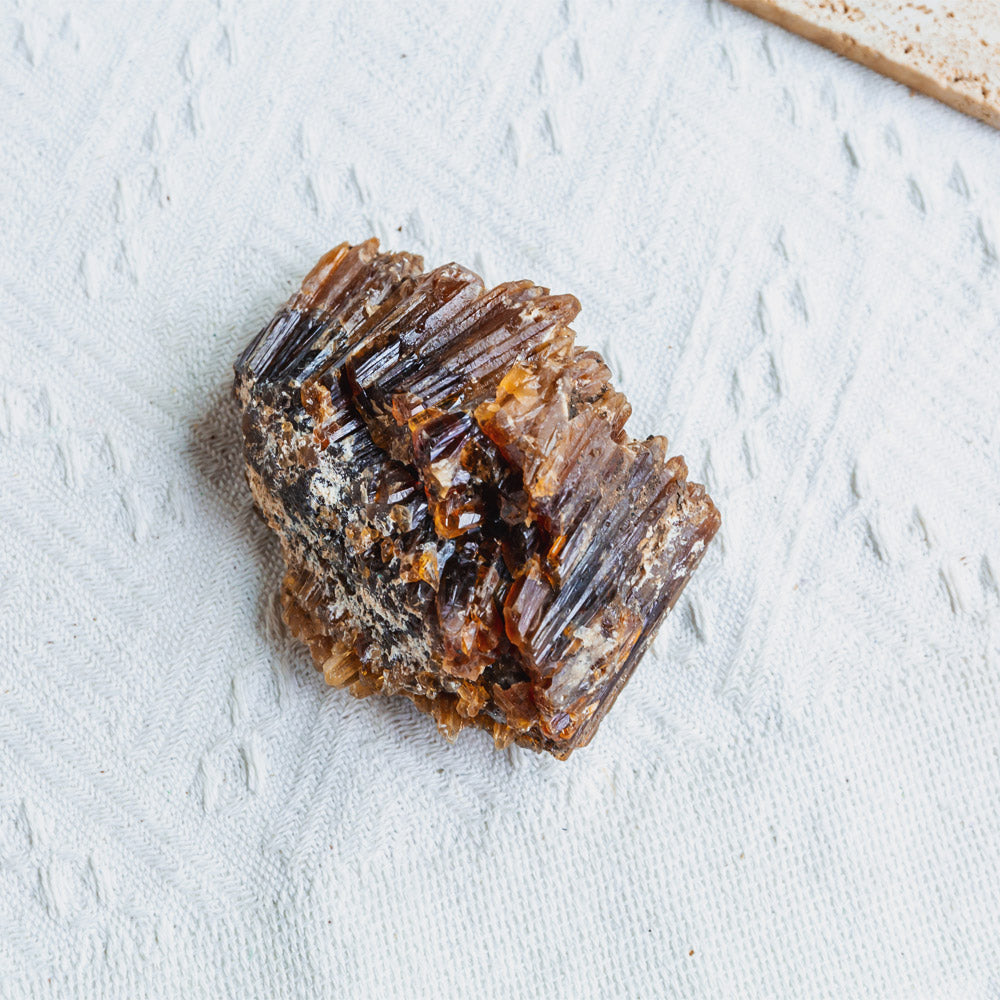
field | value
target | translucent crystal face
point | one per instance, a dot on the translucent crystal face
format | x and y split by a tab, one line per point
463	517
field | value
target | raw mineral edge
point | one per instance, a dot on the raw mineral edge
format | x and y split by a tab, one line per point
463	517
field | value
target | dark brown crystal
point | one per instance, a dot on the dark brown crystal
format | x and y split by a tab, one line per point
464	519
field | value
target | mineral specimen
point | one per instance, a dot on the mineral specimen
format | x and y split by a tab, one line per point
463	517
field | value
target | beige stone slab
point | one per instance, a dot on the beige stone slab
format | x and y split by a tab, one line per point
949	50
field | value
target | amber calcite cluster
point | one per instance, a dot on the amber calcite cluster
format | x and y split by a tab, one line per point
464	518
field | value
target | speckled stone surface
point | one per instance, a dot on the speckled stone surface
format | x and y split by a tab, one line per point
949	50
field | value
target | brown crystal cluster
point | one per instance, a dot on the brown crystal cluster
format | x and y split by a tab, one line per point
464	519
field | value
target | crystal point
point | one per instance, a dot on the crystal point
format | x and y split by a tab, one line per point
463	516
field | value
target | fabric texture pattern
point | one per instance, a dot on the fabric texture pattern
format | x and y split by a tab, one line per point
791	265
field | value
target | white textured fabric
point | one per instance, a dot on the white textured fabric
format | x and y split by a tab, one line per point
792	266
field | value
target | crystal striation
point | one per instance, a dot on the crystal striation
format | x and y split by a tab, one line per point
463	517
